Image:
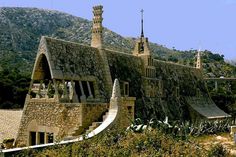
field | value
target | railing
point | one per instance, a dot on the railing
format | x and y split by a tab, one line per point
221	79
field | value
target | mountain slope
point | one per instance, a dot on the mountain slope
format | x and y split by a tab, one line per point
22	28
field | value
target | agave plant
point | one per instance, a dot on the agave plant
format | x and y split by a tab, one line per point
181	129
137	126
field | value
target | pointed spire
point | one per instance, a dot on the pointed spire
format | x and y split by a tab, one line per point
142	34
142	45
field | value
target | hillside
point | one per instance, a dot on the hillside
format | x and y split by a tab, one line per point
22	28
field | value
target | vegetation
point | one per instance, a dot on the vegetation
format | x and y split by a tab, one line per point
13	88
218	151
156	138
149	142
183	130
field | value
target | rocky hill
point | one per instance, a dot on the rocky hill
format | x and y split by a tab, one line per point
22	28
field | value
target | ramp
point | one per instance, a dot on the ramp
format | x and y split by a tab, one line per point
206	107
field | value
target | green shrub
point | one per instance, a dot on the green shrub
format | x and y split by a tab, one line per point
218	150
123	144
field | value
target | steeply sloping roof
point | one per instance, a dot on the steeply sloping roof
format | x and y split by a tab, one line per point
206	107
67	60
9	123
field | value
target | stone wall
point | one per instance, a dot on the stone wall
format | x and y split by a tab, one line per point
126	68
127	112
165	93
57	118
90	113
178	82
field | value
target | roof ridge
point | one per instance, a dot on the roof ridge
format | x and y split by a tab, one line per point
65	41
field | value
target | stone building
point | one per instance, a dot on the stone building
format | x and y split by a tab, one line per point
71	89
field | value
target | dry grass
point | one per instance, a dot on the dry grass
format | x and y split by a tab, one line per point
207	141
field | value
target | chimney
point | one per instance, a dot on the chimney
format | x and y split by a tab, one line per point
97	37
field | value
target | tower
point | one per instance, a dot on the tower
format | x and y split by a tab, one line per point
142	45
199	62
142	51
97	36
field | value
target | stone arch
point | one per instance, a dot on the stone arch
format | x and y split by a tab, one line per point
42	69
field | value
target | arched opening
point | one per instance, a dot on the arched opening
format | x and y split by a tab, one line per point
42	71
42	84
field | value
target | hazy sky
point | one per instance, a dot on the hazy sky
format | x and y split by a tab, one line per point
183	24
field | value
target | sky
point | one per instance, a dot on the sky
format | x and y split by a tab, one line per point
182	24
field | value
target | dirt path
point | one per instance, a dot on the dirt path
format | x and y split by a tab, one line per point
9	123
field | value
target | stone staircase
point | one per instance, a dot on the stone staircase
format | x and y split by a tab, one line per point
96	124
106	120
73	134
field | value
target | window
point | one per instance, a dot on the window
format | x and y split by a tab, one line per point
125	89
141	47
32	138
41	137
92	88
85	87
130	110
150	61
77	90
50	137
